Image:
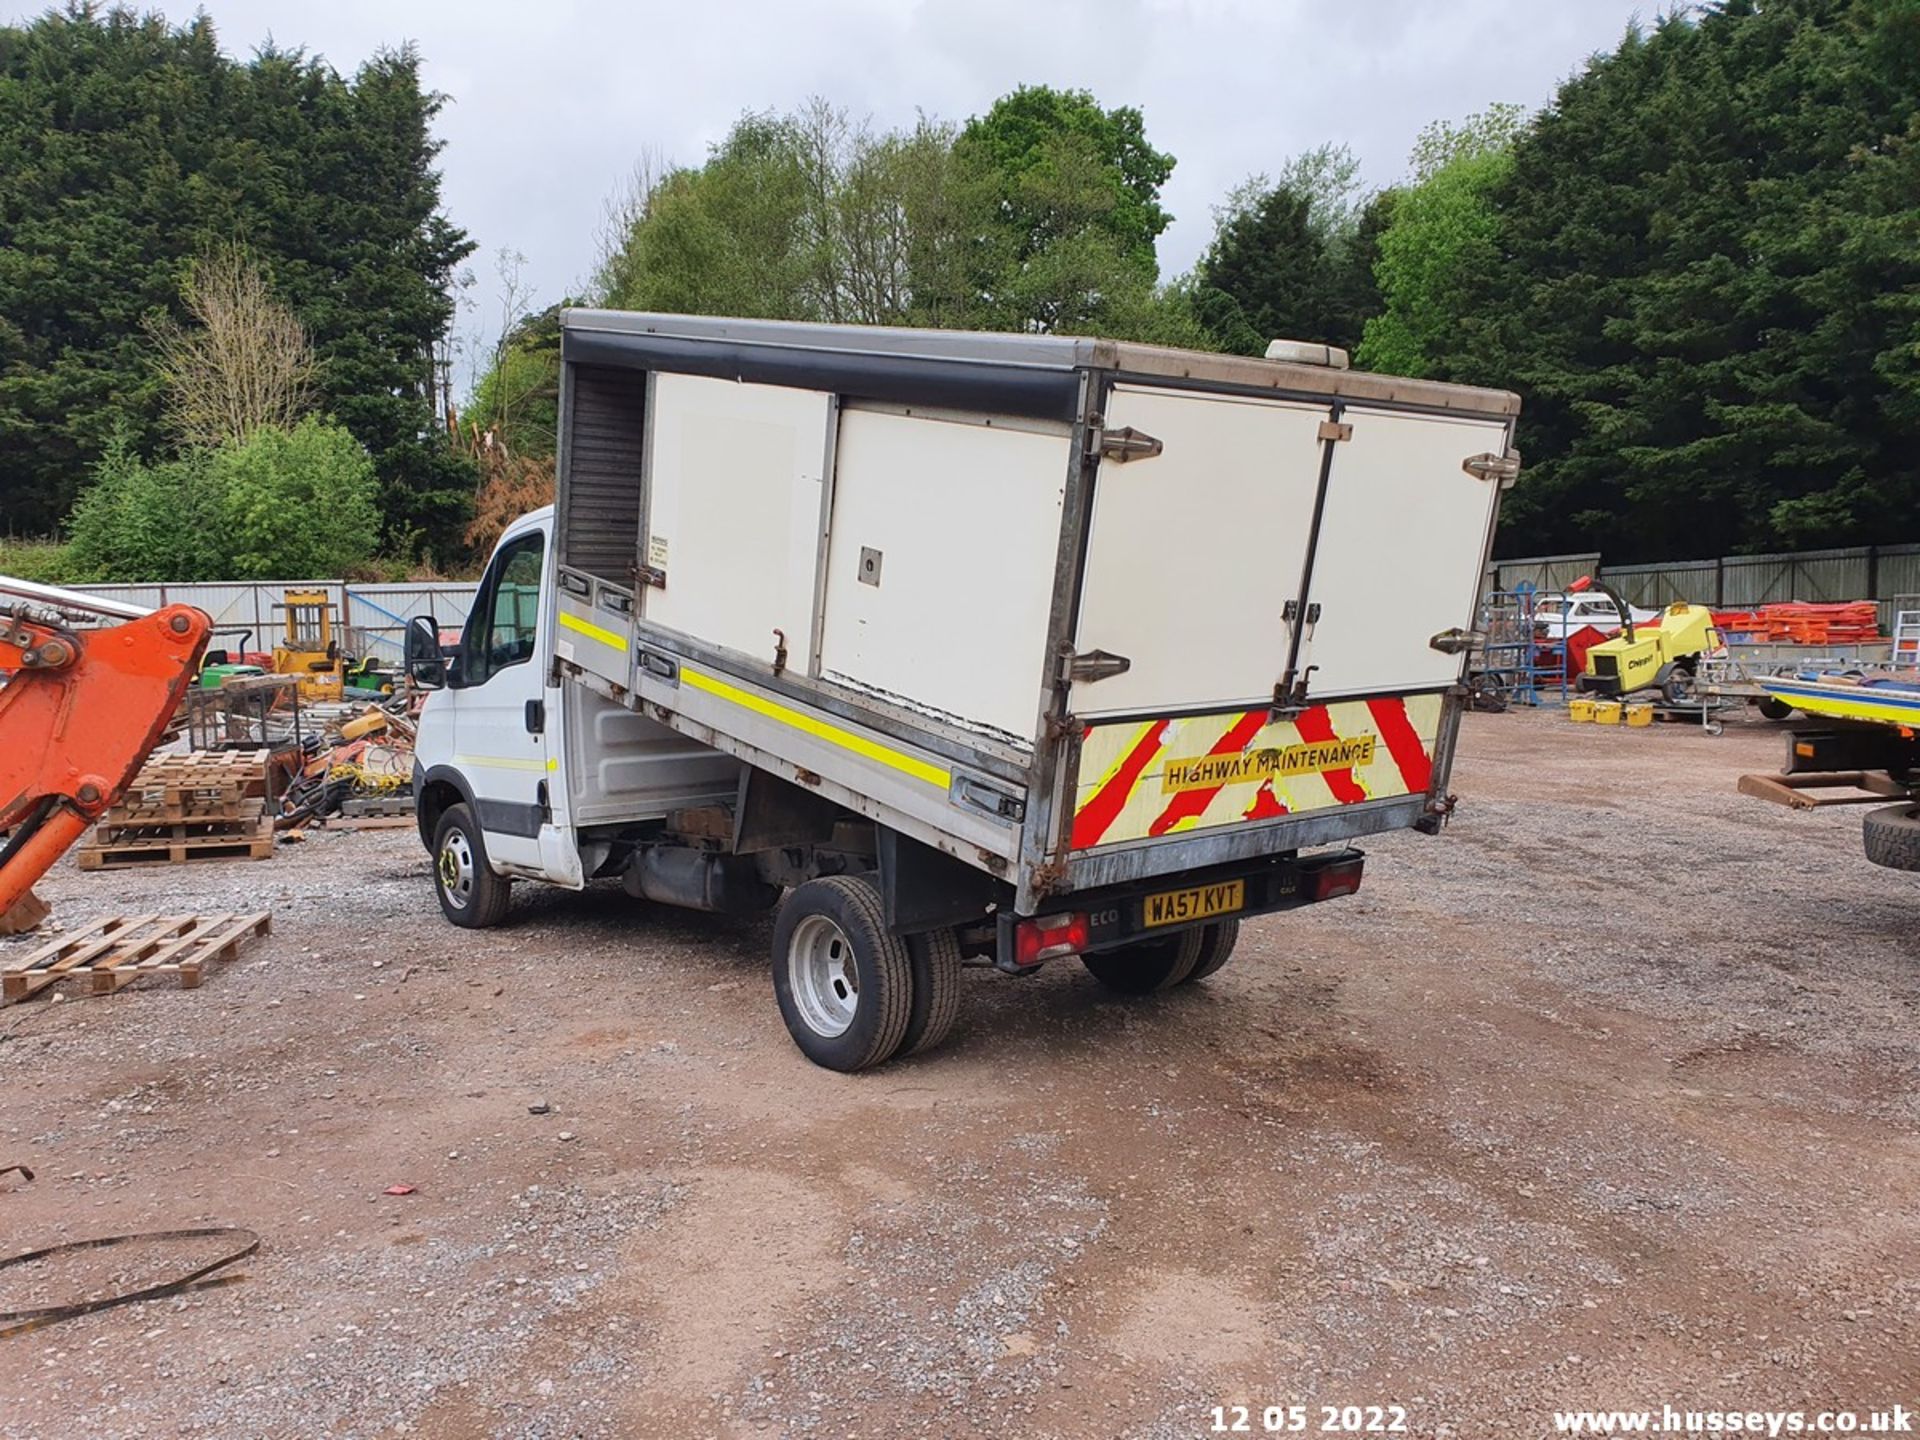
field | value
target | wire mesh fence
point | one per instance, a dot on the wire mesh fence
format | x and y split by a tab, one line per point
250	615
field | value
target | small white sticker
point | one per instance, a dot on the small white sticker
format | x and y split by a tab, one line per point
657	552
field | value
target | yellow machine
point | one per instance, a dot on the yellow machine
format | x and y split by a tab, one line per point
308	648
1661	654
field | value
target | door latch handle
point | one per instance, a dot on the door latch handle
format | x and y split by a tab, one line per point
536	717
1455	641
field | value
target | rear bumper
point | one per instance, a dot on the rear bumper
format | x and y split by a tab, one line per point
1118	915
1093	872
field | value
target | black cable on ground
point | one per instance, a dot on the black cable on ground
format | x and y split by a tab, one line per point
19	1322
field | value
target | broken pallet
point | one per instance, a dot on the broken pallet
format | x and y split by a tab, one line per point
114	951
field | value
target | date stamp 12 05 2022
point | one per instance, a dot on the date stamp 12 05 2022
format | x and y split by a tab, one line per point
1308	1419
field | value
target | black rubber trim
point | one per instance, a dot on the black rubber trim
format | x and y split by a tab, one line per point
509	817
970	385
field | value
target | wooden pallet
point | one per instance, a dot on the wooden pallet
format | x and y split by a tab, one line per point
122	846
198	778
373	807
190	807
116	950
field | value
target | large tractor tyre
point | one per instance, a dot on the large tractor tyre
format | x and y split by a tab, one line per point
1892	837
1216	948
471	895
935	961
1147	967
843	980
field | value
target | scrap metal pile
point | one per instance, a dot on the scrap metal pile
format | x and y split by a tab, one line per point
328	758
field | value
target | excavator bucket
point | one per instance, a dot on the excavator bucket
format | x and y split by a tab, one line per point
79	715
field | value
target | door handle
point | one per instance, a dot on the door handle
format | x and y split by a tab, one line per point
536	717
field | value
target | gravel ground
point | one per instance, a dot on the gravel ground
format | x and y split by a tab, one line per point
1608	1097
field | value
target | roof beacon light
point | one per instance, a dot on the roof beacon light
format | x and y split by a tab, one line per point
1305	352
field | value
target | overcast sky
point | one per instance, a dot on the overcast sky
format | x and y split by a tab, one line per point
551	101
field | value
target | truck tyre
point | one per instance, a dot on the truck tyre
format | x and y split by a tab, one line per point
1892	837
935	959
1147	967
1774	708
471	895
843	980
1216	948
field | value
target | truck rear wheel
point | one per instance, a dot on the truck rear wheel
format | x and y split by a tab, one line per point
1892	837
1147	966
471	895
935	958
843	980
1216	948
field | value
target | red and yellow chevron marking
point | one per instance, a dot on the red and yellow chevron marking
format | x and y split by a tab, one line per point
1139	780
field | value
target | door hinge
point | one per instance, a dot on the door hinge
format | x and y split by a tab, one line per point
1292	612
1096	665
648	575
1335	430
1504	469
1126	443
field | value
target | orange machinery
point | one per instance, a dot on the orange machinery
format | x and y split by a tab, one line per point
80	712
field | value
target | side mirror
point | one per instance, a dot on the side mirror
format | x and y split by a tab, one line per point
425	665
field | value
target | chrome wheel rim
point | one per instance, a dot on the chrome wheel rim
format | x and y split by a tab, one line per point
822	977
456	869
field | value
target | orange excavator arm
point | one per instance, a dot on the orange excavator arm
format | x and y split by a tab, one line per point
79	714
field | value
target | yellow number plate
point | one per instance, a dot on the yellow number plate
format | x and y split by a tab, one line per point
1178	907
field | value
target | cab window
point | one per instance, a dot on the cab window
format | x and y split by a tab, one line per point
506	611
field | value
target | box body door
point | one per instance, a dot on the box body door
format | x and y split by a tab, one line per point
733	513
1403	536
1193	554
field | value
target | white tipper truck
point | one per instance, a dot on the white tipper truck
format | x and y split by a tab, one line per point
1015	647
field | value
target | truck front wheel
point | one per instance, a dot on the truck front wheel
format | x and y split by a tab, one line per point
471	895
1147	966
843	980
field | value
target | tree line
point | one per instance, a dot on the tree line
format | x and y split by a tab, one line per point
1699	265
136	154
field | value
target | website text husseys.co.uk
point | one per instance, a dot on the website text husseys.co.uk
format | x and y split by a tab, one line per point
1668	1421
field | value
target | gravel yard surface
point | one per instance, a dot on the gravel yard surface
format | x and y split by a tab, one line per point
1608	1097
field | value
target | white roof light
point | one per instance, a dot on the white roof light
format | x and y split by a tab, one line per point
1305	352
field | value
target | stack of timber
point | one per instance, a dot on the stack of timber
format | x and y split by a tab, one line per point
208	805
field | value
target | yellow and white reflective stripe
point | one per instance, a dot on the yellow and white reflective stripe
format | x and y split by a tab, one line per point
594	632
505	762
819	729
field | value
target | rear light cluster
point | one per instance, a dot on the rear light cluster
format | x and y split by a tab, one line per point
1329	882
1048	937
